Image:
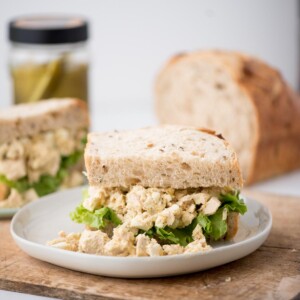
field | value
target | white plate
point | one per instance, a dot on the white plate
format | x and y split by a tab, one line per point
41	221
7	212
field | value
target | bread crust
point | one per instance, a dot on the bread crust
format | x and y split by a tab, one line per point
232	225
165	156
276	111
277	148
275	157
30	119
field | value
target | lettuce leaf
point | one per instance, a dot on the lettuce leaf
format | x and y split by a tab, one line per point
217	224
213	227
98	218
167	235
71	160
175	236
233	202
84	140
20	185
49	184
204	222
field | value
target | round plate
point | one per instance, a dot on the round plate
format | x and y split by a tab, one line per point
7	212
40	221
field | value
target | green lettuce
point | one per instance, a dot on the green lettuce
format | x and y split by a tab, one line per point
71	160
20	185
204	222
46	185
233	202
84	140
98	218
214	227
168	235
49	184
217	224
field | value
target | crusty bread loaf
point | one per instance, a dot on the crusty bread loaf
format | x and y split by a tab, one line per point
240	96
166	156
29	119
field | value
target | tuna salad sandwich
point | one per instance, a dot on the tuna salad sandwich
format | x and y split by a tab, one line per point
41	149
156	191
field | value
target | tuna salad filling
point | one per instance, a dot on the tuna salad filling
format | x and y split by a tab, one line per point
151	221
32	167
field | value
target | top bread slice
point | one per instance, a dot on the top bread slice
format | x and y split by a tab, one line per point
240	96
30	119
166	156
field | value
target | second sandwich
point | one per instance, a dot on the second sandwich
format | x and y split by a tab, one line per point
41	149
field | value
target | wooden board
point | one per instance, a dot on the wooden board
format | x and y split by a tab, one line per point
272	272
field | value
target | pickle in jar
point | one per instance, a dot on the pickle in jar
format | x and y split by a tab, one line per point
57	78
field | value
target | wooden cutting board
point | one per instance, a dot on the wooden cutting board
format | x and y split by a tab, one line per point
271	272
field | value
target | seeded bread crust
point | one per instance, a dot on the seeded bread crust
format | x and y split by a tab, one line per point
166	156
240	96
30	119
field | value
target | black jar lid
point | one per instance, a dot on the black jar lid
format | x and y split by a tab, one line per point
48	30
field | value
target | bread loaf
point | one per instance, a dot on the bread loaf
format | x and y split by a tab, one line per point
240	96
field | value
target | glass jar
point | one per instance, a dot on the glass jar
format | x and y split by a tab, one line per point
49	58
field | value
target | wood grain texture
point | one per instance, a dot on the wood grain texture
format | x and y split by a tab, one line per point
271	272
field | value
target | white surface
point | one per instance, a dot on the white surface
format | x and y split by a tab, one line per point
123	116
130	40
288	184
5	295
30	229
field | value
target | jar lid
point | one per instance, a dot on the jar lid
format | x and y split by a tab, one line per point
48	30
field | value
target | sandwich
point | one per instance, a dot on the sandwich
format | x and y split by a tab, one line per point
156	191
41	149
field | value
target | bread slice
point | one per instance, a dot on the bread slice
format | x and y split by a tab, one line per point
29	119
167	156
240	96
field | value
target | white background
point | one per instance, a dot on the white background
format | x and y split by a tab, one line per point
130	40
